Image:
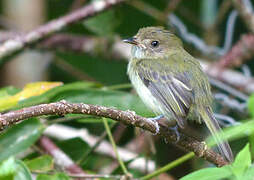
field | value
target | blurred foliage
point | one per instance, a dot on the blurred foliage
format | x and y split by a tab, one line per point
239	170
18	138
103	82
42	163
14	169
8	101
97	67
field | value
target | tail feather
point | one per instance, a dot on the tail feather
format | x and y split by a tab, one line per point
214	128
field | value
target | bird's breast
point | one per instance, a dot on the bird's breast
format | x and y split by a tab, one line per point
143	92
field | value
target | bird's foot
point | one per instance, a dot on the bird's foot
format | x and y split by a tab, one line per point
155	122
177	133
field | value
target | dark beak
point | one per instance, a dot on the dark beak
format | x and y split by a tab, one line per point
131	41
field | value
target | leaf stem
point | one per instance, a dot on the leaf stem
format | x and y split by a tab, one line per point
85	157
114	147
168	166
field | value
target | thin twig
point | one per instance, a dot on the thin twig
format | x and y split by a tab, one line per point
240	52
245	12
62	132
228	89
230	102
72	70
74	43
172	5
168	166
13	46
126	117
222	12
61	159
231	77
200	43
149	10
85	156
125	171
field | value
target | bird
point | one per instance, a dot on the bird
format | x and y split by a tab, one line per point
171	82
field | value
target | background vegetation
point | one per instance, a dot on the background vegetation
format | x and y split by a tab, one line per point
83	60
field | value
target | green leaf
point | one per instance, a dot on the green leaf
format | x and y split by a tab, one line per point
251	105
8	91
42	163
19	137
57	176
118	99
242	162
100	68
209	174
46	97
5	97
12	169
249	174
75	148
7	169
22	172
103	24
235	132
30	90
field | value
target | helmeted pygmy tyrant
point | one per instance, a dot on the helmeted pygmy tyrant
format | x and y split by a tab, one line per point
171	82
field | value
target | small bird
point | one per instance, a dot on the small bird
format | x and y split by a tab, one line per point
171	82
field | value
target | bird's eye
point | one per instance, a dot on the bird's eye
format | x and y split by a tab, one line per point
155	43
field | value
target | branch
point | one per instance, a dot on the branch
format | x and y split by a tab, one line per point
246	13
126	117
62	132
75	43
60	158
229	76
241	51
12	46
198	43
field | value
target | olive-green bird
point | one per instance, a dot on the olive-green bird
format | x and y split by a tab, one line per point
171	82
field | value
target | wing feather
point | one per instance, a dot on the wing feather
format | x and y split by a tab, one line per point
172	92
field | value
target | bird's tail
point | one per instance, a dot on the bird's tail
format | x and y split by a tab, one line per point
215	130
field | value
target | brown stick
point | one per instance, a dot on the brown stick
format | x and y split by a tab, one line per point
61	159
245	13
240	52
18	43
126	117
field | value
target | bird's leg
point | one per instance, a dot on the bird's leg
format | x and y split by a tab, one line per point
175	129
155	121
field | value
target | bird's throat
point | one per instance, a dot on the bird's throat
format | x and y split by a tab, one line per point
137	52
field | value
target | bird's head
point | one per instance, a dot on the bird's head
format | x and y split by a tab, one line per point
153	42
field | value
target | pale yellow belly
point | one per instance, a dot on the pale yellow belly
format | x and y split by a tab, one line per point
144	93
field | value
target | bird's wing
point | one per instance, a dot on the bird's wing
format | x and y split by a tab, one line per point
173	92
